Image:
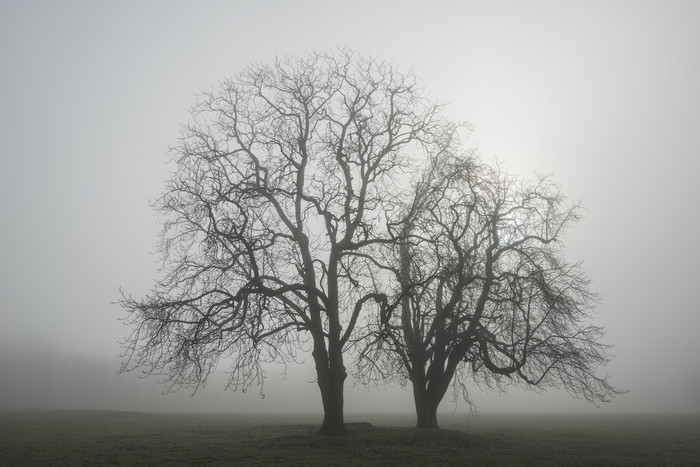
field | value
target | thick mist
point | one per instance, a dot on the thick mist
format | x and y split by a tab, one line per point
602	95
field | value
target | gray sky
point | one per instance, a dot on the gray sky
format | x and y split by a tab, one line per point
604	95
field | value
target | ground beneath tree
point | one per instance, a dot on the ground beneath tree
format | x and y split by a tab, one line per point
382	445
125	438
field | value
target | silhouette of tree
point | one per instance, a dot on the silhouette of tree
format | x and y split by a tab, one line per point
483	290
284	176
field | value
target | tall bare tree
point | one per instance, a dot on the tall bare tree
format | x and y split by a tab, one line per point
483	290
283	178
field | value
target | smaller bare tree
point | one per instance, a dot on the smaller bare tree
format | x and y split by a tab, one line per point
484	292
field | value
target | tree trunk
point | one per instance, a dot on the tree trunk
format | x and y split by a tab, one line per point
426	407
331	379
426	416
428	390
333	420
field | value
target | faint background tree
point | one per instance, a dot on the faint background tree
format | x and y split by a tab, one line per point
483	292
284	179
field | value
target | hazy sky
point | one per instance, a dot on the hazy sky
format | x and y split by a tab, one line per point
604	95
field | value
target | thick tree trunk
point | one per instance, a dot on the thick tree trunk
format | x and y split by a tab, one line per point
426	415
428	390
426	407
331	379
333	419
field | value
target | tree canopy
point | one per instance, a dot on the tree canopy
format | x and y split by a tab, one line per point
325	204
483	292
283	179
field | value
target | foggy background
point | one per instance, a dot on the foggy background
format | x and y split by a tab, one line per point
603	95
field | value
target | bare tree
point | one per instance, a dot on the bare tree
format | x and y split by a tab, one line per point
283	178
484	292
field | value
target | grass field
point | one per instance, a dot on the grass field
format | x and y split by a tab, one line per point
127	438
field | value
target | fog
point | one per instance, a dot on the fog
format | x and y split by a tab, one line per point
603	95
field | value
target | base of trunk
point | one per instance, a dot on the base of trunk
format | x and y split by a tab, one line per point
426	412
429	421
333	428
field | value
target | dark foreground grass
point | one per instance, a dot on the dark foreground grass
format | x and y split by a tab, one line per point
124	438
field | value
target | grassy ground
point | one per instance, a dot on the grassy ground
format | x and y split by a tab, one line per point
123	438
